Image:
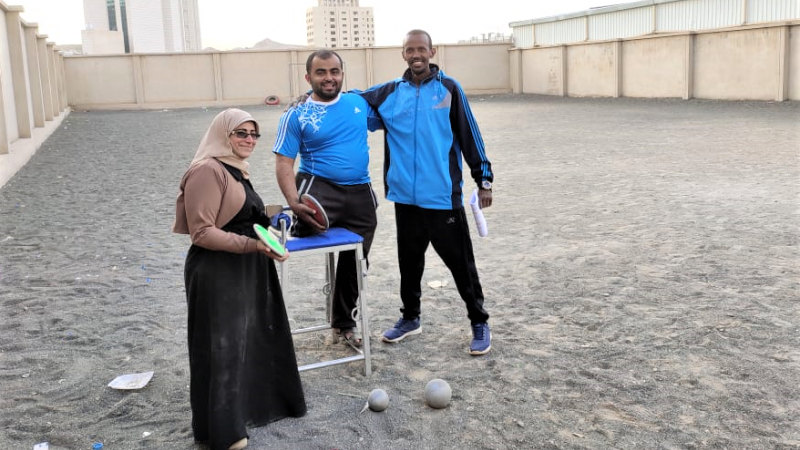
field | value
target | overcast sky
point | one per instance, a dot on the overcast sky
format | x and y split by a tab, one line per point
227	24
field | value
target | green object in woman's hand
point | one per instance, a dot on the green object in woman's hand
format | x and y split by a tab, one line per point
269	239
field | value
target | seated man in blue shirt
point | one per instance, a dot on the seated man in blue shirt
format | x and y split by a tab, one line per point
329	133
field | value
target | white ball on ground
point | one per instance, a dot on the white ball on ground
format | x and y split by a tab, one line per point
437	393
378	400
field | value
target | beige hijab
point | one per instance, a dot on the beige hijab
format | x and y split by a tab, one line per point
216	142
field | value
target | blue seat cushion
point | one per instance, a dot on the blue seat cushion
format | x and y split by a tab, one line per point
330	238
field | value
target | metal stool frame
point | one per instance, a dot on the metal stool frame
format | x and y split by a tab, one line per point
296	247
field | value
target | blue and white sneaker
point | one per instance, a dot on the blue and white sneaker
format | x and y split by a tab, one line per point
402	329
481	339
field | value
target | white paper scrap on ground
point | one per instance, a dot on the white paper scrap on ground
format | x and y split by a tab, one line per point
42	446
131	381
480	221
436	284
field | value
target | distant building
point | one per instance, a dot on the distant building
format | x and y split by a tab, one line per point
340	23
649	17
488	37
140	26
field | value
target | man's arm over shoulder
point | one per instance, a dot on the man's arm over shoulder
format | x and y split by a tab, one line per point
467	133
374	119
377	94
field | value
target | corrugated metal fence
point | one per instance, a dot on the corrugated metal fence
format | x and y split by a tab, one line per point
650	16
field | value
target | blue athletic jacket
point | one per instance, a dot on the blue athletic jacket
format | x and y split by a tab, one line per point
428	129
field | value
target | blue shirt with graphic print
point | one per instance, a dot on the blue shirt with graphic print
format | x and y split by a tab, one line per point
331	138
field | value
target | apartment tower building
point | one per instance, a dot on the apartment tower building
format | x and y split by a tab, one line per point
340	24
140	26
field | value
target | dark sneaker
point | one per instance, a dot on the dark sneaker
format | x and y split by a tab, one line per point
402	329
481	339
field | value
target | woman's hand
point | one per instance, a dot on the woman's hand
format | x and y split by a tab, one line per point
262	248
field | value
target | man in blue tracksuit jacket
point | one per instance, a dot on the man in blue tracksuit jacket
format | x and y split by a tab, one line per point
429	126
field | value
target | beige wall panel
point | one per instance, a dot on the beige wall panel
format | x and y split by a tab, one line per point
742	64
51	67
794	63
737	65
255	75
178	78
654	67
299	82
355	67
542	71
44	63
19	72
590	70
7	82
34	82
388	64
515	70
100	80
479	68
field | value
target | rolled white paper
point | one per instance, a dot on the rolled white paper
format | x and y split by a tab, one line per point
480	221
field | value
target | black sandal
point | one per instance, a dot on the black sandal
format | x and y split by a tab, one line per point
349	336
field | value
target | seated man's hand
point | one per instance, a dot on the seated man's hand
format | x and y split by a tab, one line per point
306	214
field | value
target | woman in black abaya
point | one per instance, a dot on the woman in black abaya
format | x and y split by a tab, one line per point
241	354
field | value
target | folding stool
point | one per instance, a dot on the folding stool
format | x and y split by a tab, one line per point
329	243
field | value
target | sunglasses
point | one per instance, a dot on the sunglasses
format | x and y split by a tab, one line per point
241	134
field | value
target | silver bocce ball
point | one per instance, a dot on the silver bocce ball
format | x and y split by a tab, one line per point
378	400
438	393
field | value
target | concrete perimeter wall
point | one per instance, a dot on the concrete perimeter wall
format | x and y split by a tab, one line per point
33	92
142	81
756	62
38	84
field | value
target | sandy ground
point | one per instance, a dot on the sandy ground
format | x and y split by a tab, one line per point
642	272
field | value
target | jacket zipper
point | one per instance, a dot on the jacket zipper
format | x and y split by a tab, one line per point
416	118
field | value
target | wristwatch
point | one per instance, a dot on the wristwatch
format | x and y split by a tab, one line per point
486	185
